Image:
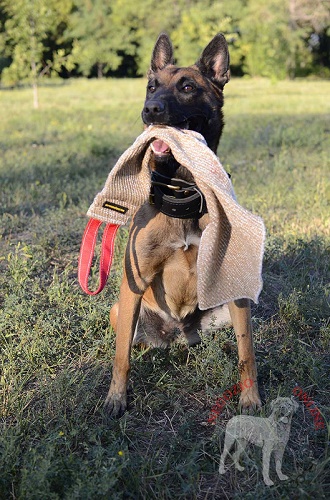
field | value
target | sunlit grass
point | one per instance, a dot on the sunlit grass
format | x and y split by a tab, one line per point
56	344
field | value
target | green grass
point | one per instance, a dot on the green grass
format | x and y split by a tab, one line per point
56	343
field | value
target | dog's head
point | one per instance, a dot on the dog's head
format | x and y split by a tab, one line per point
283	409
189	98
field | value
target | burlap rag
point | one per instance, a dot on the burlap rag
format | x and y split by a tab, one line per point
230	255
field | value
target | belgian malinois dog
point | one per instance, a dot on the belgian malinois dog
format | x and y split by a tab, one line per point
158	294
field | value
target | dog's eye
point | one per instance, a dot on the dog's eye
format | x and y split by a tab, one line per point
151	88
187	88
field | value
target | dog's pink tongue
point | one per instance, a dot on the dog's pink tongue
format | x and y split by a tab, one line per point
160	147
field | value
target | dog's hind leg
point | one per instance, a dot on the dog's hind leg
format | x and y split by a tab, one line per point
241	445
229	441
240	313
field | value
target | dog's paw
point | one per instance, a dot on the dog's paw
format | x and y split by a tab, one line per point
239	467
115	405
282	477
268	481
249	400
222	469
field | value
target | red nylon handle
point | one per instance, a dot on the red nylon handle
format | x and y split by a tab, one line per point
87	252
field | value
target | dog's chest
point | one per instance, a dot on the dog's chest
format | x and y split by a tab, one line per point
179	276
186	241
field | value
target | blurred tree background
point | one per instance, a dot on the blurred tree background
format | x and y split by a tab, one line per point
95	38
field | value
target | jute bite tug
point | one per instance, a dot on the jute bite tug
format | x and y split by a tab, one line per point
194	255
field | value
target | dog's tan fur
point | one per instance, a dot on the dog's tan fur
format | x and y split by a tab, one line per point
158	296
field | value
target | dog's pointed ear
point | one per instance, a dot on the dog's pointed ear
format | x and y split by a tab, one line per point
162	54
214	61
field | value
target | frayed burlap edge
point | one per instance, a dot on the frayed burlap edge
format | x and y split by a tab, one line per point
230	255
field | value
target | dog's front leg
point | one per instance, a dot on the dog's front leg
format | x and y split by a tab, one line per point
266	452
279	452
128	313
240	312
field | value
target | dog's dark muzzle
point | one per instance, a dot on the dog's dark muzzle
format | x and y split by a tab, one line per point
160	112
154	112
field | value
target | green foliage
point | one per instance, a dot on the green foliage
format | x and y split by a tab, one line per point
56	344
143	23
28	31
275	38
272	46
96	39
200	22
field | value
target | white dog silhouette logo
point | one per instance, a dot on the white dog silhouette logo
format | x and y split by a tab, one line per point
271	434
